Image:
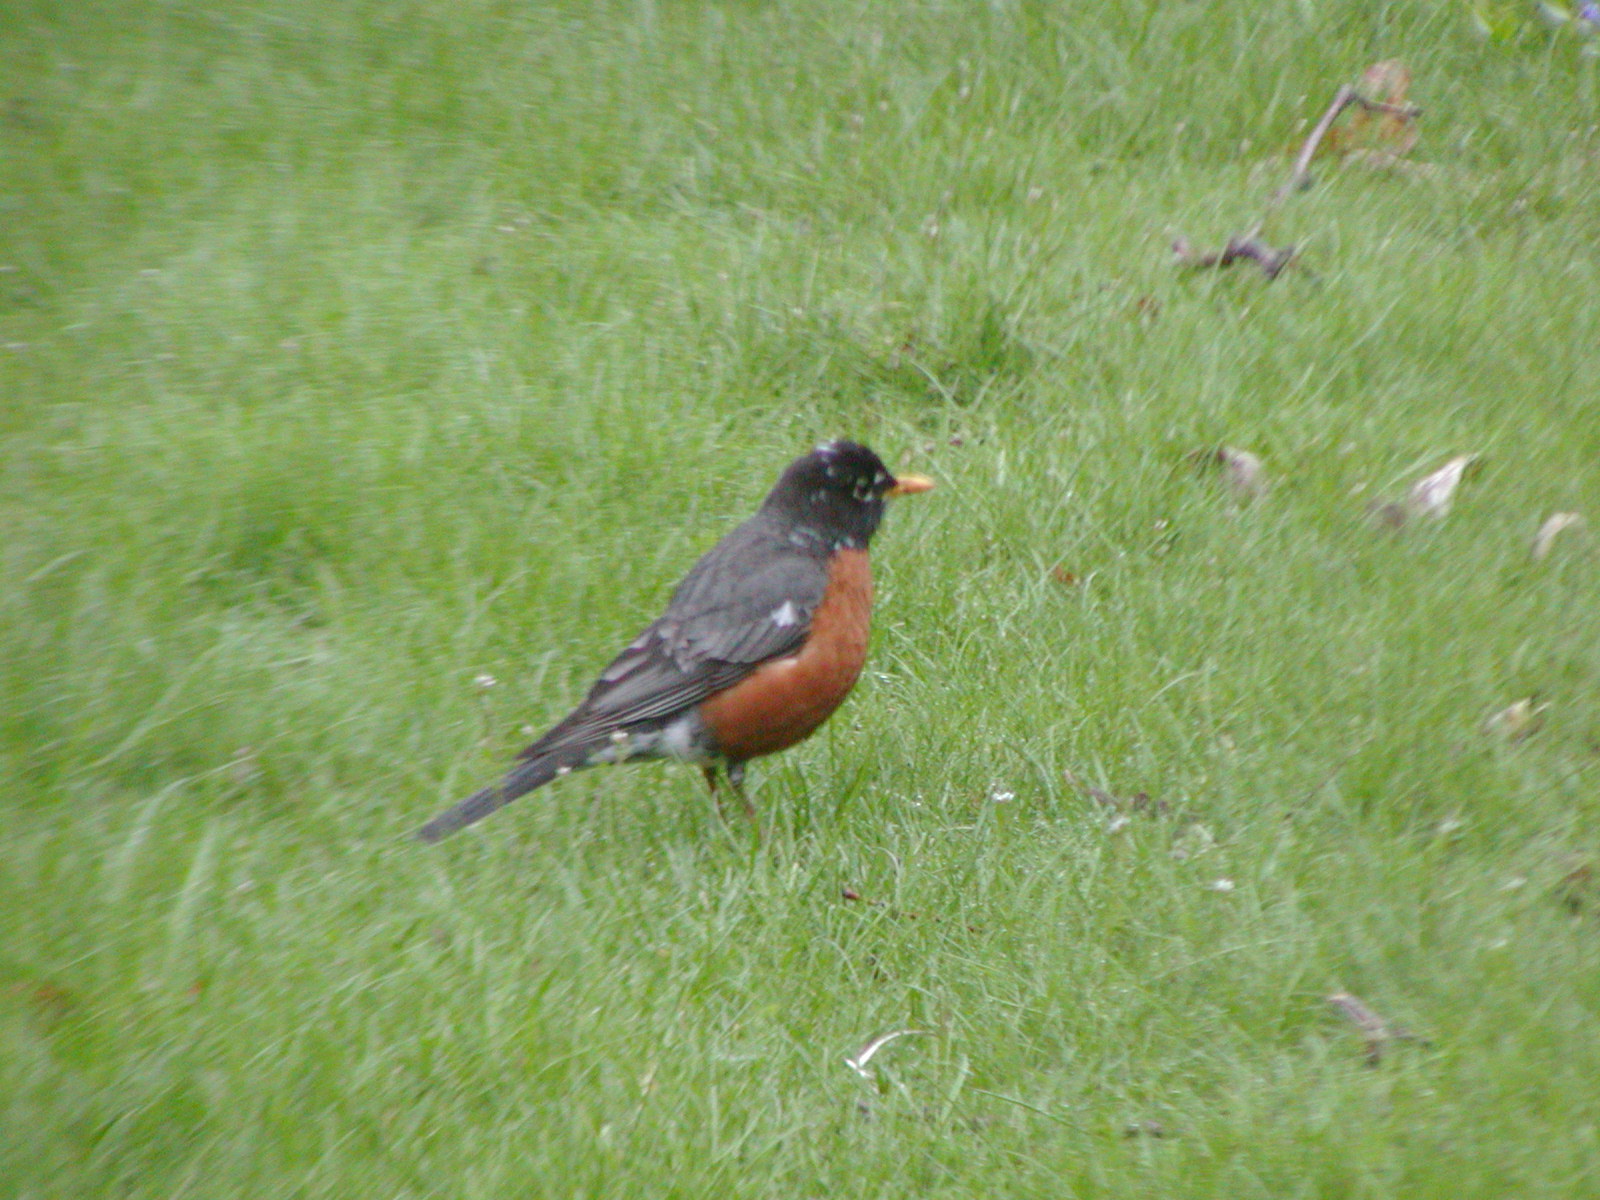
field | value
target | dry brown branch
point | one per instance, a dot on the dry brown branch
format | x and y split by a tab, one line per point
1249	245
1375	1029
1272	261
1300	176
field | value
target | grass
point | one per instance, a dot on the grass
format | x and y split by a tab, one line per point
354	351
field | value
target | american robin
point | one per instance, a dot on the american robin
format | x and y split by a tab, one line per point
761	641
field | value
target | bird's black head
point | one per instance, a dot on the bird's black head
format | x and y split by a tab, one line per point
836	494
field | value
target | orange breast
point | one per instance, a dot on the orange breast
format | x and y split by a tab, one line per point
785	700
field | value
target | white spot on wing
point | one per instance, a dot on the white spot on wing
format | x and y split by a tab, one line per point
785	615
679	739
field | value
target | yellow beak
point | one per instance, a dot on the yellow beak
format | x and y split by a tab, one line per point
910	485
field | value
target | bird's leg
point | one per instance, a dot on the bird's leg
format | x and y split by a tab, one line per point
710	772
736	782
735	773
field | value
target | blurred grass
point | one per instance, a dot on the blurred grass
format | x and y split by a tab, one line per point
349	352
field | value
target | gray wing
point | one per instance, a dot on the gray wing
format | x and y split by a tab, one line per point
748	600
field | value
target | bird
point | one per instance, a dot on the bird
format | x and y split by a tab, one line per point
761	641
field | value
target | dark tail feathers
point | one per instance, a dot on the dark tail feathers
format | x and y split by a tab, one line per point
521	780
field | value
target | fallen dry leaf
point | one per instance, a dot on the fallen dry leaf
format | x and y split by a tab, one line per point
1386	135
1241	470
1382	129
1431	495
1063	576
1244	472
1516	721
1552	528
1388	80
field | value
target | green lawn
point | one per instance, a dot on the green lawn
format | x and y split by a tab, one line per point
351	351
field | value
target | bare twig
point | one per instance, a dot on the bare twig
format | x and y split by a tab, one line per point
1249	245
1301	174
1377	1031
1272	261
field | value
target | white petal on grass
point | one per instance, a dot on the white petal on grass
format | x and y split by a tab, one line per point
1431	495
1551	529
863	1056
